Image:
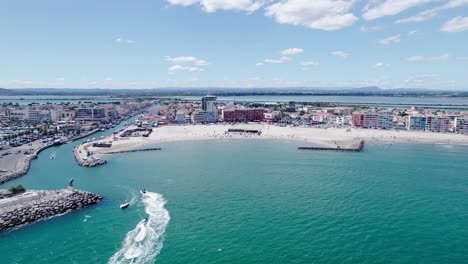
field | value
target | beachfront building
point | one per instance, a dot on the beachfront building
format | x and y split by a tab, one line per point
440	124
208	103
378	120
180	117
210	109
272	116
365	120
244	115
385	120
198	117
461	124
416	122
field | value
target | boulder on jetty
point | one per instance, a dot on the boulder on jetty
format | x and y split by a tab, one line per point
33	206
87	162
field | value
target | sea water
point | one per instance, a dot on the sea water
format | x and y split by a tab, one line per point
255	201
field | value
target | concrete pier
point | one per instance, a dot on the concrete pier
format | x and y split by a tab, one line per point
359	148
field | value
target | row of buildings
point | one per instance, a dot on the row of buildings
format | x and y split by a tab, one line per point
418	122
66	113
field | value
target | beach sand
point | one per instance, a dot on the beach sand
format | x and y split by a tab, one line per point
331	137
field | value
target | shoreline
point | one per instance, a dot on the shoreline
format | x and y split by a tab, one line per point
313	137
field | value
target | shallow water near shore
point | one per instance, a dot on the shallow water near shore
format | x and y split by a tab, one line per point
258	201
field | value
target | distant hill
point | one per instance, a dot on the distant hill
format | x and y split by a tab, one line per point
173	91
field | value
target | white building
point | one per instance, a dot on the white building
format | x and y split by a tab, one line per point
180	117
461	124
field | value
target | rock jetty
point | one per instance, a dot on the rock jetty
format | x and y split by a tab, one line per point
33	206
85	161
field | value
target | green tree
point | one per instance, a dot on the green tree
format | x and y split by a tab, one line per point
17	189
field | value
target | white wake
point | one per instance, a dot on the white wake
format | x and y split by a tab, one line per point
143	244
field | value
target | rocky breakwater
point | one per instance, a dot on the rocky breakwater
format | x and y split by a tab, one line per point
86	161
33	206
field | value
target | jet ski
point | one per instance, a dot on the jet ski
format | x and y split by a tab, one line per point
143	191
124	205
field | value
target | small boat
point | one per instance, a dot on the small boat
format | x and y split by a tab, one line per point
3	171
143	191
124	205
102	129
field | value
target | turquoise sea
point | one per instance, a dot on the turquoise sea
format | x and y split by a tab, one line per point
255	202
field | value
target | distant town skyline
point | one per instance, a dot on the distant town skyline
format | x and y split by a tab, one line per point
234	44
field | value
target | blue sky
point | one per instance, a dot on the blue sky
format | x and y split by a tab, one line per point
234	43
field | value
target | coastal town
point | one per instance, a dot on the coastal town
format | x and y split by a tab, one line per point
210	111
26	130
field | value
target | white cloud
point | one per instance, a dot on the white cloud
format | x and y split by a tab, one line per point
60	79
292	51
306	65
433	12
259	64
340	54
283	59
371	28
423	80
456	24
380	65
108	79
309	63
425	58
211	6
412	33
462	58
376	8
421	16
186	60
390	40
124	40
177	68
318	14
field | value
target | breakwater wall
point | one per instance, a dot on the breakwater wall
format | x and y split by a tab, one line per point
135	150
34	206
359	148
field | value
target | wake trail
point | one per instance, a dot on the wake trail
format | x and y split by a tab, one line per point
145	241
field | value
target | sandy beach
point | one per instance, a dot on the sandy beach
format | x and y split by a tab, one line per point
331	137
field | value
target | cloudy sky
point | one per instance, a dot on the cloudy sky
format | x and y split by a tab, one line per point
234	43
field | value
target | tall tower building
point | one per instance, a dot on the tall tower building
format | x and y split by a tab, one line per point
208	103
209	108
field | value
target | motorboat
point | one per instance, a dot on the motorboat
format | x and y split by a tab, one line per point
124	205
